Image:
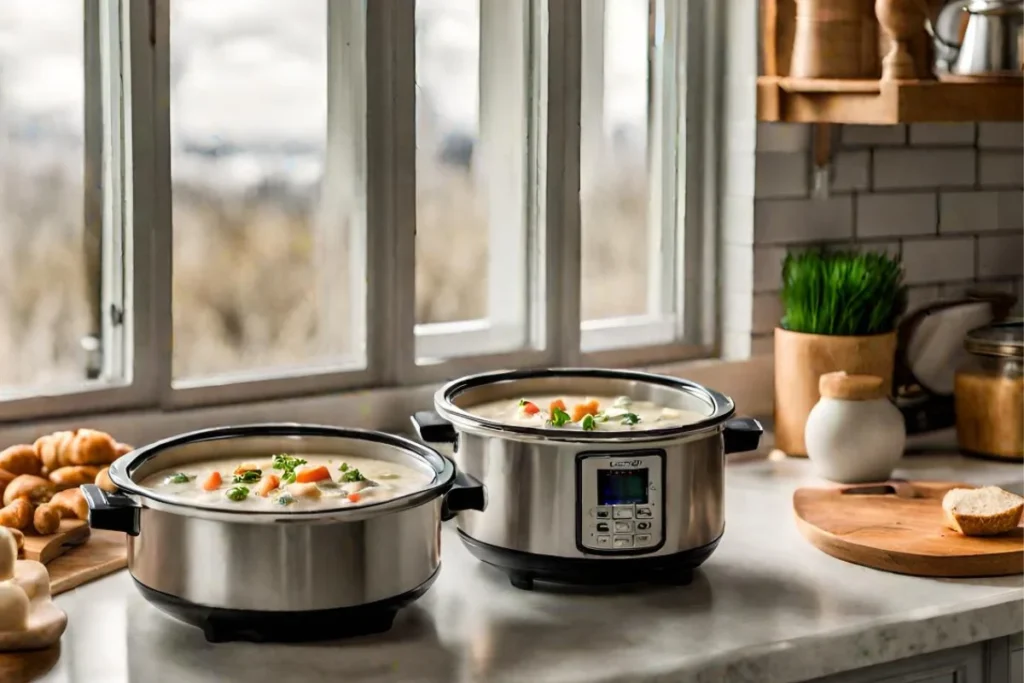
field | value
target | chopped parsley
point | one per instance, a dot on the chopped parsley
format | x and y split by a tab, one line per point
238	493
349	474
287	465
630	419
558	417
286	462
522	402
179	478
248	477
588	424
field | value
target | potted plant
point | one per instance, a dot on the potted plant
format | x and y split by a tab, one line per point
840	311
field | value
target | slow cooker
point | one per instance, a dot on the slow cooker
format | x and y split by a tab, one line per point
591	506
282	575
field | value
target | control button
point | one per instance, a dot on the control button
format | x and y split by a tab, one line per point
624	541
643	512
641	526
642	539
603	527
604	541
623	512
602	512
623	527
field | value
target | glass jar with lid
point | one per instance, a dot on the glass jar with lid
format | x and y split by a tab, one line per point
989	392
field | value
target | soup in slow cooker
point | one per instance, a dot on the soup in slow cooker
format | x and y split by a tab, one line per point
285	482
585	413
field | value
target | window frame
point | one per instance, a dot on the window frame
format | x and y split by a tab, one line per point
138	228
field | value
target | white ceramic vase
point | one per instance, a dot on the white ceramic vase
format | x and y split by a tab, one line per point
854	433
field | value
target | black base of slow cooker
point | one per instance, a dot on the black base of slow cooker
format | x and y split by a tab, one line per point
523	569
222	625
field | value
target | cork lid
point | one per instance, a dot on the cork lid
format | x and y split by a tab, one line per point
850	387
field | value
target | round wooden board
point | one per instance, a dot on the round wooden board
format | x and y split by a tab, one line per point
899	527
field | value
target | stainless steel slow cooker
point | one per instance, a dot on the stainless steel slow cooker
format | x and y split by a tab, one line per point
280	575
591	506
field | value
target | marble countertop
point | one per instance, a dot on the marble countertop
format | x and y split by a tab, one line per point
766	607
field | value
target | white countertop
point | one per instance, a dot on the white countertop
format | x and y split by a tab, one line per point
766	607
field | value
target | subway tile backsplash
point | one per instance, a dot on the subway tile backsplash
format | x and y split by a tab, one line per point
949	198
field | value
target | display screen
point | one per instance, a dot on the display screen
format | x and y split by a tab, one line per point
621	487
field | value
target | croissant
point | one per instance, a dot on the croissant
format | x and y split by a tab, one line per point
104	481
35	489
73	475
20	459
80	447
71	504
17	514
5	479
46	519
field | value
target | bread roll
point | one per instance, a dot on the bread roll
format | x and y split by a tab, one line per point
985	511
104	482
46	519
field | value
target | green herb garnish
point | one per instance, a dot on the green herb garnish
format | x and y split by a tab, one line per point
344	467
558	417
179	478
588	424
238	493
248	477
522	402
286	462
842	293
350	475
630	419
288	477
285	499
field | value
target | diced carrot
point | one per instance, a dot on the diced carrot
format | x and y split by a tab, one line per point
354	497
268	484
310	474
594	406
581	410
212	482
530	408
557	403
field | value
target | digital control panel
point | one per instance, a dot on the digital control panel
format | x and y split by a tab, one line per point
621	501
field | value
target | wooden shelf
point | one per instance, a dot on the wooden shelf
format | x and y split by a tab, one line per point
881	102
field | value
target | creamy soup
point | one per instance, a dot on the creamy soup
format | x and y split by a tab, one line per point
285	482
587	413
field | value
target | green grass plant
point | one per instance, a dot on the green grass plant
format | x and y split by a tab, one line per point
844	293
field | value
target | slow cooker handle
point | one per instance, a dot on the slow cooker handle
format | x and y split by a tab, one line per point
433	428
111	511
742	434
466	494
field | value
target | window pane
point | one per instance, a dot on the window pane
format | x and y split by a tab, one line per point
471	161
265	258
50	270
615	184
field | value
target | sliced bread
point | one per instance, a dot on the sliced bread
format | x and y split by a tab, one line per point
982	512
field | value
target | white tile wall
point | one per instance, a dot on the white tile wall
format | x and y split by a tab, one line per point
1000	168
896	169
948	198
896	214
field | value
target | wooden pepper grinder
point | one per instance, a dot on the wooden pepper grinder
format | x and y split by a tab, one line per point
902	21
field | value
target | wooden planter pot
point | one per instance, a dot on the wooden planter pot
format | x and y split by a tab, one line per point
800	359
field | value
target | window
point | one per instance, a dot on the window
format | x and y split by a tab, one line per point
212	202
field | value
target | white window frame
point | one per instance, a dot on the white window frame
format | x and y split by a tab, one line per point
129	67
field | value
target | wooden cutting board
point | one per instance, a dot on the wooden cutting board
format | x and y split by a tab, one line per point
104	553
72	533
898	526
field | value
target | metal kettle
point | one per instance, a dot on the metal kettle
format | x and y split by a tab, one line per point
993	40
